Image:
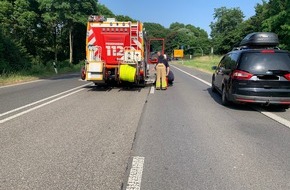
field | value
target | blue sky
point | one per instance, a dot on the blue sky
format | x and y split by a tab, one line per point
198	13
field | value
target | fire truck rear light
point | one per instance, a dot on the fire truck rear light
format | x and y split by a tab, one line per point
141	72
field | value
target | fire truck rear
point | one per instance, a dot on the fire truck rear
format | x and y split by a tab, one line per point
115	51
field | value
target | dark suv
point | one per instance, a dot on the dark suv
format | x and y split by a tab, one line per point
255	72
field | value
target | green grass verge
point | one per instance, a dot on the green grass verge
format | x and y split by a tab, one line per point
203	63
37	72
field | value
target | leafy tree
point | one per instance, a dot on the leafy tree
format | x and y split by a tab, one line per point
154	30
12	57
62	16
104	11
223	30
277	19
254	22
176	26
199	41
124	18
17	21
77	13
6	13
177	38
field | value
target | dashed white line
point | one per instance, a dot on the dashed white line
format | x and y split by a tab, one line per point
205	82
135	176
152	89
21	83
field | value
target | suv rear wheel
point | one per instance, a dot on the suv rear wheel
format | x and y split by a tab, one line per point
213	89
225	100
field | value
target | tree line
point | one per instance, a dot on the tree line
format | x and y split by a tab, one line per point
230	27
39	32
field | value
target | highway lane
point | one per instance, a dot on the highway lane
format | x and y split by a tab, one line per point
82	141
185	137
188	140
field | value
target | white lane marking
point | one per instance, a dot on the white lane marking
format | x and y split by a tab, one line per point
281	120
135	176
39	106
31	104
21	83
152	90
205	82
275	117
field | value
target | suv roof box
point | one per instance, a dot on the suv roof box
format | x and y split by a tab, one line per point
265	39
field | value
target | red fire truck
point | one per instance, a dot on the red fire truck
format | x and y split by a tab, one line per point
116	52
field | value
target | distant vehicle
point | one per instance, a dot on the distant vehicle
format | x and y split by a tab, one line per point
256	72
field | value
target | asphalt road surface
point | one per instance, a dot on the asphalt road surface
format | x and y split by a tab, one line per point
64	133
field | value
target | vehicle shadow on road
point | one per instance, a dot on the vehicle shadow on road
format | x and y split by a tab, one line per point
271	108
99	88
107	88
246	107
218	99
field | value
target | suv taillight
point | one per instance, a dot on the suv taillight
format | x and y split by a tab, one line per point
287	76
241	75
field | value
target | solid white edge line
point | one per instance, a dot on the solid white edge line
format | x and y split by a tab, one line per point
39	106
10	85
39	101
275	117
205	82
135	176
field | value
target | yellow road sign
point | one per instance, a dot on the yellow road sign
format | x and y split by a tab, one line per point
178	53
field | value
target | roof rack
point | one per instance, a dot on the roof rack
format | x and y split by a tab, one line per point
254	47
259	40
269	39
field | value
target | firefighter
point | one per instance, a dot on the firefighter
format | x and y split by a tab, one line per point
162	70
169	73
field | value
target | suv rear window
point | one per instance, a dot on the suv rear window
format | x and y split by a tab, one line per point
260	63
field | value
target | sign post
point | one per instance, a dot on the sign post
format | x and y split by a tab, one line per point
54	66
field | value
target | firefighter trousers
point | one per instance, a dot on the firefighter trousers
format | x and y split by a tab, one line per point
161	76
